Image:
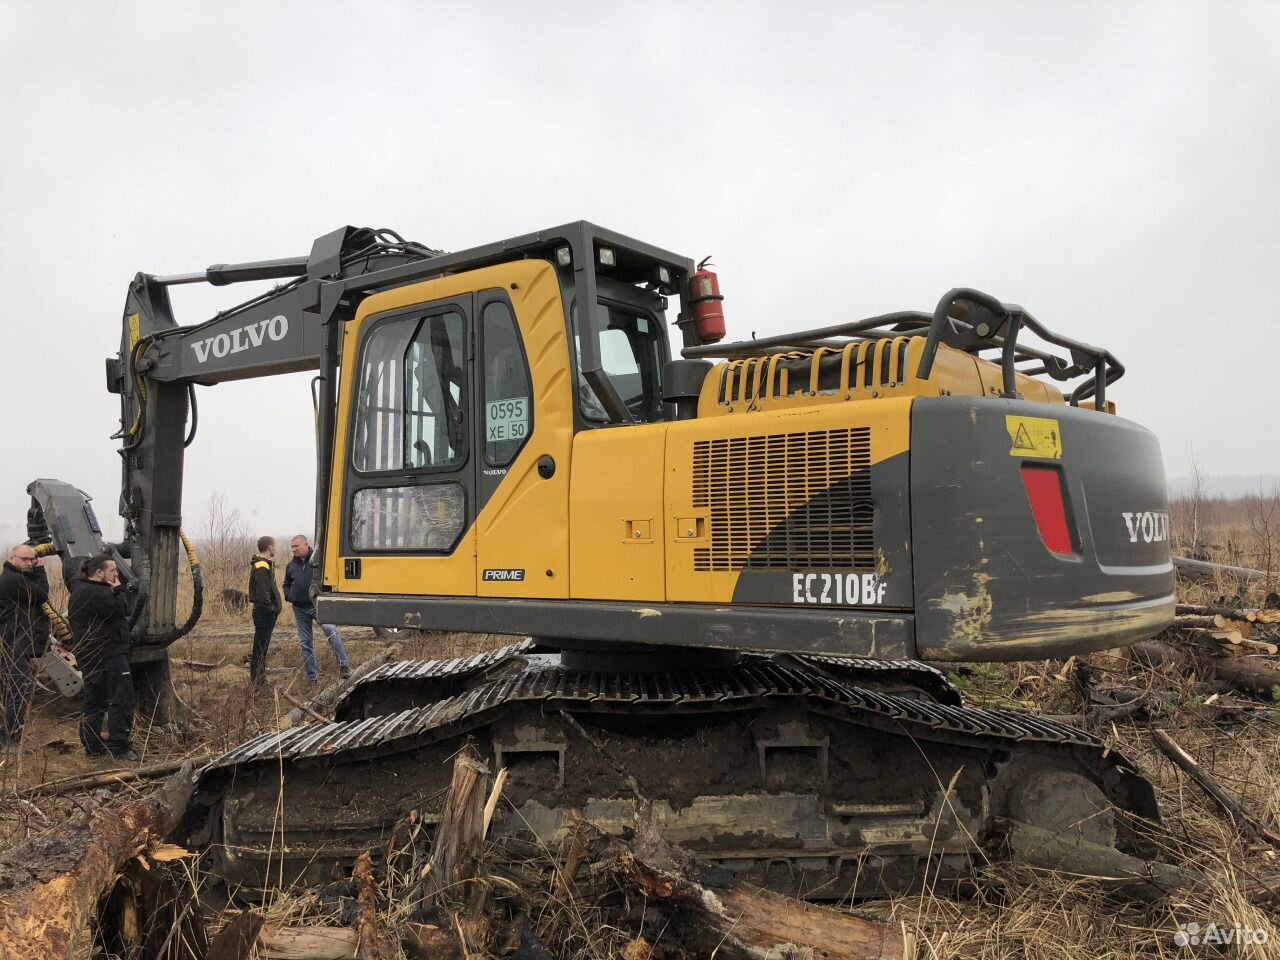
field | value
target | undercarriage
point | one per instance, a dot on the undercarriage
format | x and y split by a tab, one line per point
823	777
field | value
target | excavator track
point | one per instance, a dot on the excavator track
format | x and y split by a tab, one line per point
779	768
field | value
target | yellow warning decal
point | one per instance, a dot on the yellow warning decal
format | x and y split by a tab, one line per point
1034	437
135	329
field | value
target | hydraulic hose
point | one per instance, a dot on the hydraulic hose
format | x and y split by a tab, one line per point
58	623
197	588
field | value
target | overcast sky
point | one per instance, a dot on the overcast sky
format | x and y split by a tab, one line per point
1114	167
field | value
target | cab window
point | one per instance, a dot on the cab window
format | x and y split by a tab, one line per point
410	413
631	358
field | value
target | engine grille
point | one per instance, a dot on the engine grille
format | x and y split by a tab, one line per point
787	501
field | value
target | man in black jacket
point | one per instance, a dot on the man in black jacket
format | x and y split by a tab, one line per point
99	615
265	597
24	631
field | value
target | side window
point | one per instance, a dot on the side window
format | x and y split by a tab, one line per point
508	395
630	357
410	409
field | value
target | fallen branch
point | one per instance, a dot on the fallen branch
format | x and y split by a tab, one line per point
1253	826
324	702
108	778
48	894
307	711
1203	570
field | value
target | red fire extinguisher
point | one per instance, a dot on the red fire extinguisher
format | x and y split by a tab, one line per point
705	297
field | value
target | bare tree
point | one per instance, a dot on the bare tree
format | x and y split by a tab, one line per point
225	549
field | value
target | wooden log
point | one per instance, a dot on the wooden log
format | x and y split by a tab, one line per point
1264	647
108	778
1255	827
1201	610
743	922
324	702
308	943
1146	880
49	891
366	909
1203	570
1204	621
1242	627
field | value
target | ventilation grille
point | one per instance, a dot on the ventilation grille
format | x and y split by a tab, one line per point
790	501
859	369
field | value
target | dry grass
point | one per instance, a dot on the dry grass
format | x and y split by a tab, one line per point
1013	912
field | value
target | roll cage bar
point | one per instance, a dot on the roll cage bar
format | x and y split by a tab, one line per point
967	320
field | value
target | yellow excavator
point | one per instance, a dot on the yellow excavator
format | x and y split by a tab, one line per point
722	568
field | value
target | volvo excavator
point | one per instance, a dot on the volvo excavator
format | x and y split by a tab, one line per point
722	569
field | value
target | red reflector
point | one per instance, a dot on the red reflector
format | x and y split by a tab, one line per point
1044	490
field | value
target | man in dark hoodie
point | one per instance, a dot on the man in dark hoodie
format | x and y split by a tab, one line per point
297	590
99	615
24	631
265	597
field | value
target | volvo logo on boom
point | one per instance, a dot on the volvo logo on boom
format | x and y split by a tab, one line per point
242	338
1151	527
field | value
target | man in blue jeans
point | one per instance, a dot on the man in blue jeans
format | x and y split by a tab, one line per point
297	590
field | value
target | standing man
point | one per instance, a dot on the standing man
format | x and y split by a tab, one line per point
297	590
99	615
24	631
265	597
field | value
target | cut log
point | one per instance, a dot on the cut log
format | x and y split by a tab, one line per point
1206	622
51	889
1146	880
308	943
324	702
1255	827
1242	627
742	922
1200	610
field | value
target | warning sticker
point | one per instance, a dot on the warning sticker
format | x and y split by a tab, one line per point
1034	437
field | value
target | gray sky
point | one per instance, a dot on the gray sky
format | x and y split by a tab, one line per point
1114	167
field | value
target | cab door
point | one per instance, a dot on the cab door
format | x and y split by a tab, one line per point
410	476
454	437
523	436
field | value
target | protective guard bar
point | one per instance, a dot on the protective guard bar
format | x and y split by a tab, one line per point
965	319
